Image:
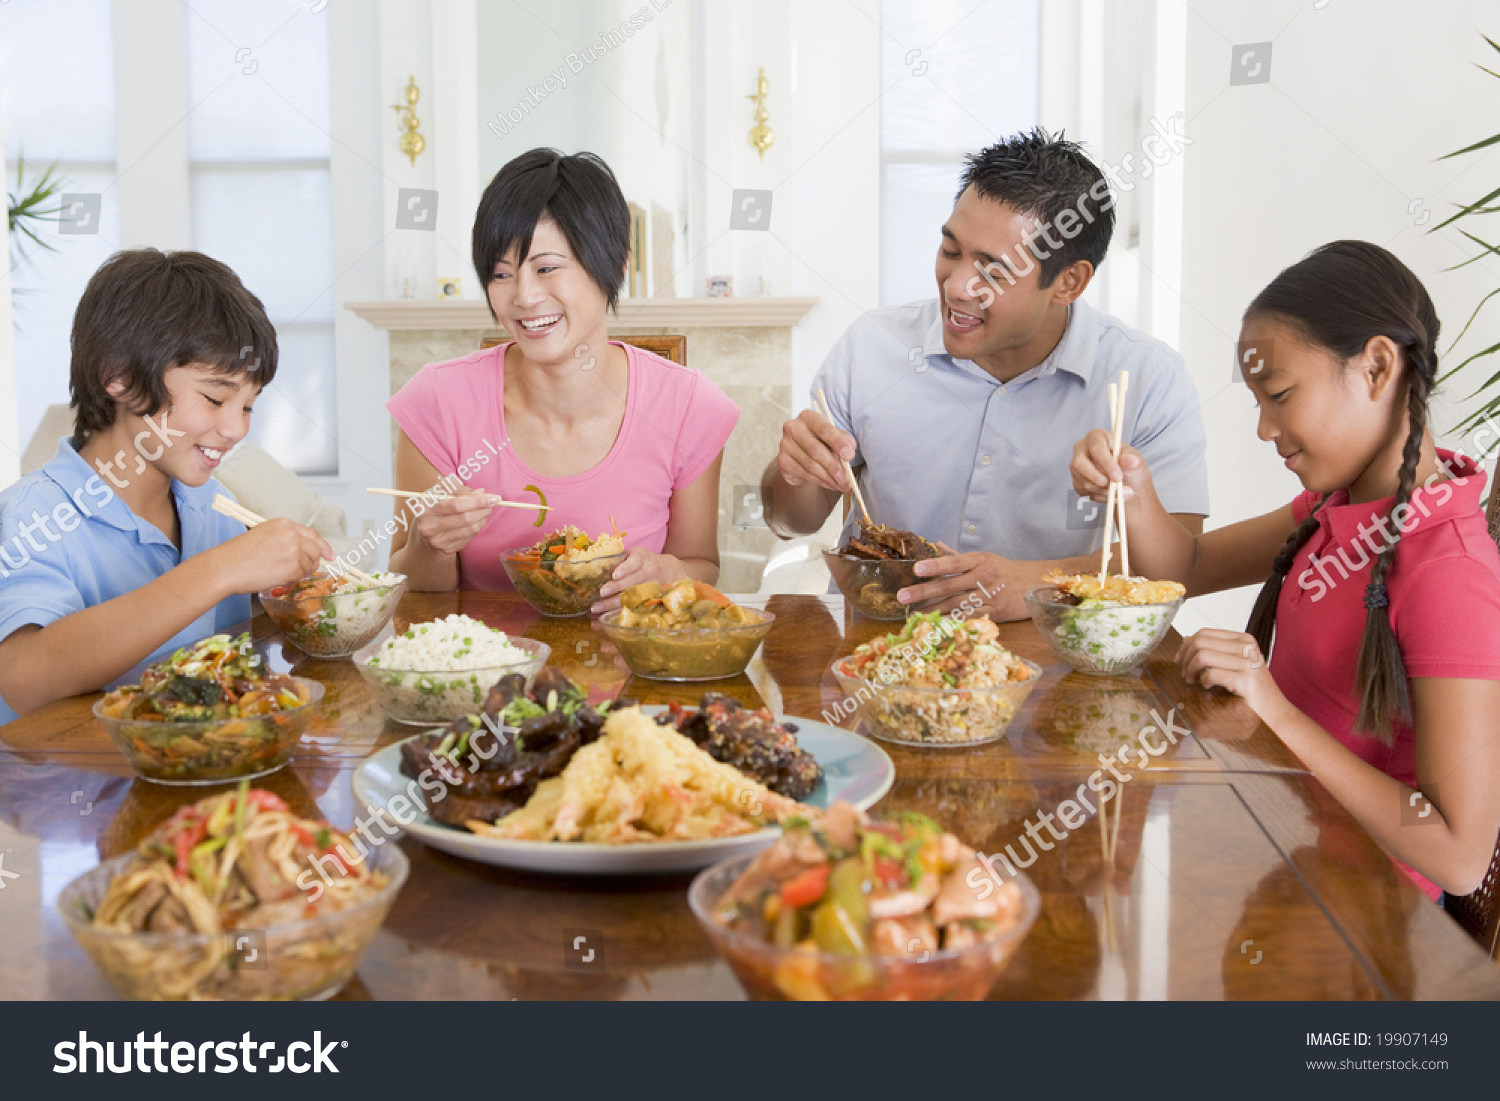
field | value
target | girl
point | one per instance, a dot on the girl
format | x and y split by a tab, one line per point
1385	678
608	432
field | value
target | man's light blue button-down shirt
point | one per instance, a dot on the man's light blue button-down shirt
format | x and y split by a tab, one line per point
949	452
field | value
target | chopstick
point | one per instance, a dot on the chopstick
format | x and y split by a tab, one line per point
405	493
235	511
1116	496
848	470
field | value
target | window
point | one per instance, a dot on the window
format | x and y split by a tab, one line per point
57	100
957	76
258	147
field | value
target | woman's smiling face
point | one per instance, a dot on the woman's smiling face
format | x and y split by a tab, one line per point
548	301
1326	418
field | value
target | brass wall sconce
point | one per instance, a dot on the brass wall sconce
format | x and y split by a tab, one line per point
411	143
761	135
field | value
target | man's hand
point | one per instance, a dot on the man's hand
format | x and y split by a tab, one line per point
813	450
998	584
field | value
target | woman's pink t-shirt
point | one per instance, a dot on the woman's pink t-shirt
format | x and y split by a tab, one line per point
1444	590
676	422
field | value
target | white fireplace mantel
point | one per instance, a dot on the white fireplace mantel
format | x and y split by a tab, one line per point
653	313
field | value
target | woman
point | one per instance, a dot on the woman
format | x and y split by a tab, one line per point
611	434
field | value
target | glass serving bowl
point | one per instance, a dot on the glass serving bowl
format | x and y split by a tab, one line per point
769	973
935	716
572	591
1100	641
432	698
871	585
212	751
310	959
687	653
335	626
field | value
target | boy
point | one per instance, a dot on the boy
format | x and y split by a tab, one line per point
111	554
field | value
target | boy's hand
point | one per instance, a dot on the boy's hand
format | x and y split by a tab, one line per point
448	525
812	450
1094	467
278	552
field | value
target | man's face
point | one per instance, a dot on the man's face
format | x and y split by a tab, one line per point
983	316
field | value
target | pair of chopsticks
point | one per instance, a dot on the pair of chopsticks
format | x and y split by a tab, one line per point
848	470
1116	489
235	511
408	493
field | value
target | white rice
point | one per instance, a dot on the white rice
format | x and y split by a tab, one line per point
453	644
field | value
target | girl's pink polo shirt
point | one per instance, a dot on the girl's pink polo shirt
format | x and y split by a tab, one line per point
676	422
1444	589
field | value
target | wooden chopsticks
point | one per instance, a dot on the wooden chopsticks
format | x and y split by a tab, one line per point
848	470
235	511
404	493
1116	489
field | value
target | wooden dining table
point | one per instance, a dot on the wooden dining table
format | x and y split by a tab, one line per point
1222	870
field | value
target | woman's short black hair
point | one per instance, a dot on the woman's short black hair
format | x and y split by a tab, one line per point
1044	176
578	192
145	311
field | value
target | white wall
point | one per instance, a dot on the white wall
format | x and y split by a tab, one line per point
11	443
151	136
1362	100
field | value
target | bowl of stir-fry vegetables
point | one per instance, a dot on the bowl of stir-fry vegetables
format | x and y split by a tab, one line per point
331	617
211	713
844	908
562	574
688	631
234	897
937	681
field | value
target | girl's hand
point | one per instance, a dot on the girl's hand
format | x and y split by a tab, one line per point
448	525
1094	467
1215	658
640	565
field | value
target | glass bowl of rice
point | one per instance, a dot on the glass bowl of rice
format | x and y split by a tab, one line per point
1100	637
937	682
329	617
433	673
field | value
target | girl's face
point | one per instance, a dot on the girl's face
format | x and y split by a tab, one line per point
548	302
209	412
1327	419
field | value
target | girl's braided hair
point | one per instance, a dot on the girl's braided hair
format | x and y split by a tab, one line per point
1339	297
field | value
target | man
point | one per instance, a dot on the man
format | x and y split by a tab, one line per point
959	414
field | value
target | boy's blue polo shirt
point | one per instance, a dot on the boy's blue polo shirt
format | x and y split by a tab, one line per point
68	542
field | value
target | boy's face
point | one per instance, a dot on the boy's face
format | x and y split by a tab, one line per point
209	412
980	320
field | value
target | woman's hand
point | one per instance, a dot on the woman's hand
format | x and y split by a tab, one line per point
448	525
1215	658
640	565
1094	467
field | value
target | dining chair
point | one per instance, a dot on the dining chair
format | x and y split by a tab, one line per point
670	346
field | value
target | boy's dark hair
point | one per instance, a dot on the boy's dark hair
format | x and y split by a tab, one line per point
578	192
1042	175
1338	297
145	311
